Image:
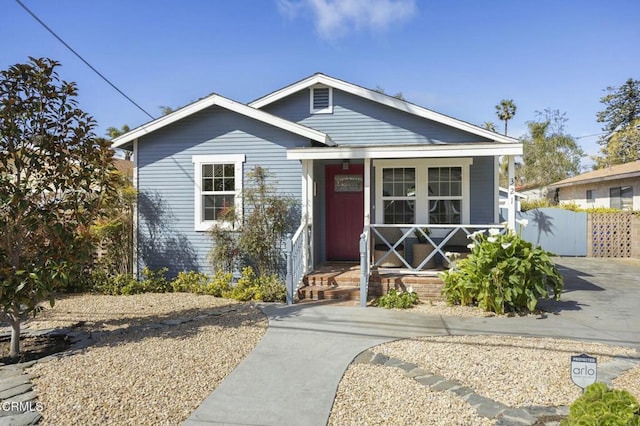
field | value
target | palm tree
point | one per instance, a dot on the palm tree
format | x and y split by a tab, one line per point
506	109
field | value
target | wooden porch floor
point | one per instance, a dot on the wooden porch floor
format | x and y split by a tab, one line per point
341	281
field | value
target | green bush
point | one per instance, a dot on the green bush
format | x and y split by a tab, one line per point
502	273
398	299
124	284
600	405
113	285
266	288
220	284
190	282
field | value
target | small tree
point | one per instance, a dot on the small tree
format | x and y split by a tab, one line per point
54	175
258	236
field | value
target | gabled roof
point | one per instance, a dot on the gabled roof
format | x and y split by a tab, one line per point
125	140
621	171
381	98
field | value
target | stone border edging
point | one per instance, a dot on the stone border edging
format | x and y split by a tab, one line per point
487	407
15	383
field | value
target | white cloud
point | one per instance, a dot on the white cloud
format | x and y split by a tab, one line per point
336	18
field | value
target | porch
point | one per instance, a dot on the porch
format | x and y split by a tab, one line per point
402	257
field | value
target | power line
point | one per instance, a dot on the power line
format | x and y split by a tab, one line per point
82	59
589	136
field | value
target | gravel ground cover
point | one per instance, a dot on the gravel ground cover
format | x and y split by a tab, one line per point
149	375
377	395
515	371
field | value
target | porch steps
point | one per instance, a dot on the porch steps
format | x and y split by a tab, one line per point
341	281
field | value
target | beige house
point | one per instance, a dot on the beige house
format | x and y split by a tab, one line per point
617	187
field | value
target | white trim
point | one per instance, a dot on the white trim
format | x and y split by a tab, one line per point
404	151
328	109
381	98
496	189
421	166
198	160
230	105
135	211
511	194
367	192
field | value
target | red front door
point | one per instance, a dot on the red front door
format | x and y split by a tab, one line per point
344	210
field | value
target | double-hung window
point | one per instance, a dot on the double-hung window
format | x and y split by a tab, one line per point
399	194
445	194
218	188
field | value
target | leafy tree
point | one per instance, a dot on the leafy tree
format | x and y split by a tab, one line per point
54	175
622	106
506	110
550	154
166	110
621	117
258	236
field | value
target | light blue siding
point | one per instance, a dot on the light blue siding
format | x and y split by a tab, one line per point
166	187
483	198
358	121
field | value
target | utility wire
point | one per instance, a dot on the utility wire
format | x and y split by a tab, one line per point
589	136
82	59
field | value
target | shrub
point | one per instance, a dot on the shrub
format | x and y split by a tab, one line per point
190	282
220	284
503	272
398	299
113	285
266	288
600	405
124	284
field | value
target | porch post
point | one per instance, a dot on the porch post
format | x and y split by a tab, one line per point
367	192
304	213
511	197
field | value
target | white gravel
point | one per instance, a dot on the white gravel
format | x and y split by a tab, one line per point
151	377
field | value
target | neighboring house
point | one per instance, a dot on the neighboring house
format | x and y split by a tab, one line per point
533	193
354	158
616	187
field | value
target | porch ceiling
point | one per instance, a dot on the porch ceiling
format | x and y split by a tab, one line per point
405	151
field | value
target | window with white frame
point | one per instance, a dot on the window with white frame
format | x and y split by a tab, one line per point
321	101
218	188
444	194
422	190
399	194
590	197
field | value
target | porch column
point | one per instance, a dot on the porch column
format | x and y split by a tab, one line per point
367	191
307	209
511	196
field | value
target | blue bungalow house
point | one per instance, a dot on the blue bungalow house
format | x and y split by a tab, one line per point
375	176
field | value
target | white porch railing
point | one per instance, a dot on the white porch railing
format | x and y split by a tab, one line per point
393	241
299	258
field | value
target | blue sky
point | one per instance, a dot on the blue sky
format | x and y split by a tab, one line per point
459	58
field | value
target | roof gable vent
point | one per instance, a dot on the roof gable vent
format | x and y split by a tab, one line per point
321	100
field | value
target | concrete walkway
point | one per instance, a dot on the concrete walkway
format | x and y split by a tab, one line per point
291	377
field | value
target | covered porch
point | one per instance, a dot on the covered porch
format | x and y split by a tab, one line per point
393	211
